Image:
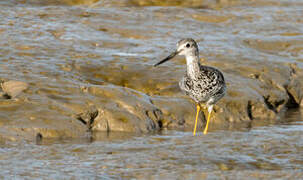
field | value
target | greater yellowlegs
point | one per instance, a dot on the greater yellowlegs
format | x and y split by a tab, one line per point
204	84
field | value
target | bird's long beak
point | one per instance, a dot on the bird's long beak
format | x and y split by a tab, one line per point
172	55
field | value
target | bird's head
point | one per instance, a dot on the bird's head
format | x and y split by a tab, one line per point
185	47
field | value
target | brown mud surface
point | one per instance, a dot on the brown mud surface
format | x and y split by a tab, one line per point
88	67
76	69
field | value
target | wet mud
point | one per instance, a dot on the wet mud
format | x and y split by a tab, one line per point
78	86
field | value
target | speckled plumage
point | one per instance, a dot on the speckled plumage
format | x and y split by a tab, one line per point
204	84
207	87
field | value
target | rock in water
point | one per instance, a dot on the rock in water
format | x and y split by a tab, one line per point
12	88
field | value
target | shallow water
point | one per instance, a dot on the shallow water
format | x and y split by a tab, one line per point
59	49
273	151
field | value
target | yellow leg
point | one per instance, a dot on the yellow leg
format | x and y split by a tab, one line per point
210	108
197	115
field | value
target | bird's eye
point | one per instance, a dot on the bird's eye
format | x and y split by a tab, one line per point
187	45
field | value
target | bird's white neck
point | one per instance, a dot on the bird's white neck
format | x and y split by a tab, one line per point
193	66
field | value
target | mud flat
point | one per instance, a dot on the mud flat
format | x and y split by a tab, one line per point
87	67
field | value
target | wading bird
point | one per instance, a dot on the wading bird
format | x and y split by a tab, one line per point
204	84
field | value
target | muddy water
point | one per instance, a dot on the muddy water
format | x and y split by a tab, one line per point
266	152
62	47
